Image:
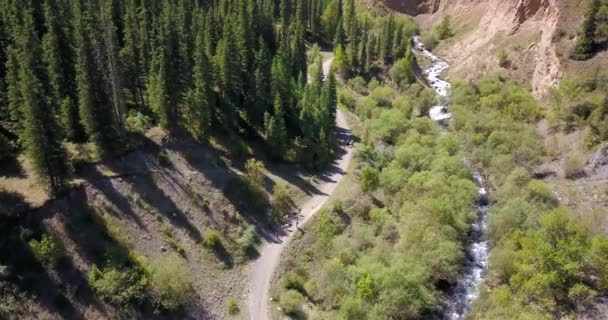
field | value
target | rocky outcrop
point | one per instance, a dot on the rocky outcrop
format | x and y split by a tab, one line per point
413	7
524	28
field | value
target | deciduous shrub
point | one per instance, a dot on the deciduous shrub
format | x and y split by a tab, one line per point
211	239
49	250
119	284
248	239
254	171
293	281
291	301
232	307
369	178
171	282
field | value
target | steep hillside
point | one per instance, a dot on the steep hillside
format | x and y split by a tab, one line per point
536	35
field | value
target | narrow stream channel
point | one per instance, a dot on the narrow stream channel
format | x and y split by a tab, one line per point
459	301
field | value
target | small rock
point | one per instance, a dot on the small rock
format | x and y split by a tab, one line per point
271	299
163	249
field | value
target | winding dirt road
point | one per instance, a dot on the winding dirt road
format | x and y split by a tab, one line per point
270	254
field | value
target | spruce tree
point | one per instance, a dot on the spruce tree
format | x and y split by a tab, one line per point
197	113
13	92
276	133
584	47
41	134
261	83
157	90
131	54
95	115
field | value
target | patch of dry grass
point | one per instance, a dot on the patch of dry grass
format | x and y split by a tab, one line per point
25	184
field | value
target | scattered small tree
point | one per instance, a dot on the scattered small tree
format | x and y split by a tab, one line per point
503	58
254	171
444	29
583	49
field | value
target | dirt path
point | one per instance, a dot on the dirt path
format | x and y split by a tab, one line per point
270	254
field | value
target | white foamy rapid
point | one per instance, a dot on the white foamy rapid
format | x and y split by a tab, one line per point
433	75
459	301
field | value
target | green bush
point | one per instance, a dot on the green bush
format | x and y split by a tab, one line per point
137	122
365	107
373	84
254	170
49	250
353	308
503	58
119	285
211	239
573	166
429	39
402	73
291	301
369	177
293	281
358	84
444	29
384	96
171	282
347	98
281	200
232	307
248	239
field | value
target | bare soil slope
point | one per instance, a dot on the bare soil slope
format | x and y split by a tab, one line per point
156	201
537	35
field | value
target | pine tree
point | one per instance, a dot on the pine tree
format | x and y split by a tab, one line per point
157	90
276	133
340	37
131	54
112	65
584	47
41	135
261	83
95	115
197	113
13	92
56	57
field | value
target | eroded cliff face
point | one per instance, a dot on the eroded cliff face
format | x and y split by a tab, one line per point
413	7
525	29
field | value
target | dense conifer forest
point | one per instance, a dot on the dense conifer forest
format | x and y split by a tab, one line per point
97	71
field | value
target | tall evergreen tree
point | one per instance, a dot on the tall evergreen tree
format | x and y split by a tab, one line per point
41	134
131	54
276	132
95	115
157	90
197	113
584	47
261	83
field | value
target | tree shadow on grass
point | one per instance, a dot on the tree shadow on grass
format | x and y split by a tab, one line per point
223	255
105	185
97	242
23	271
